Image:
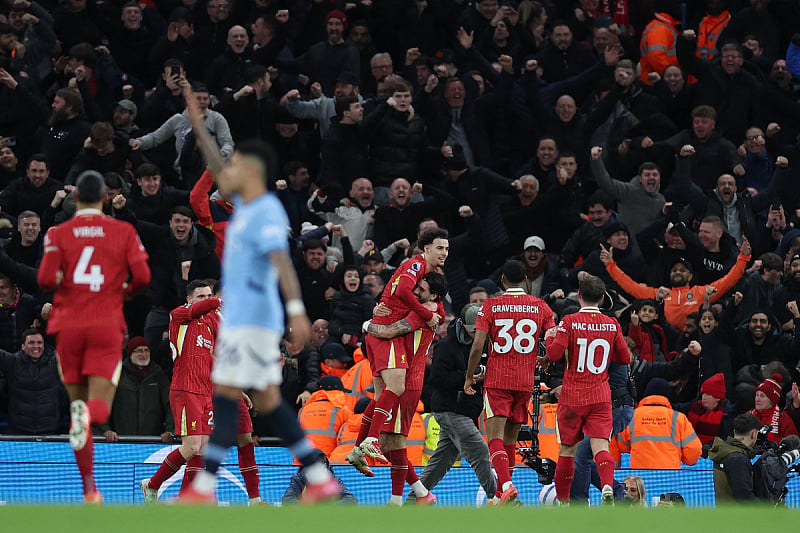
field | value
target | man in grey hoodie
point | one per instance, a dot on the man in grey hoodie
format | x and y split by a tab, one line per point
639	200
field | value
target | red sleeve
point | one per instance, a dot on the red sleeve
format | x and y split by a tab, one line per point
414	321
558	344
635	333
404	292
180	314
51	263
547	318
484	319
620	354
196	310
198	198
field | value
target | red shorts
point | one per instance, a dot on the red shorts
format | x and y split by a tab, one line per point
385	354
512	404
83	352
193	413
408	407
594	420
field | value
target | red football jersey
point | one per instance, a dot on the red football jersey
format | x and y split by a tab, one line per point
590	339
397	294
95	254
192	334
514	321
418	342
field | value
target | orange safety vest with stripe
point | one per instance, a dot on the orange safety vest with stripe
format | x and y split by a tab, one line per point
548	442
415	444
322	417
659	437
357	378
708	33
346	440
657	46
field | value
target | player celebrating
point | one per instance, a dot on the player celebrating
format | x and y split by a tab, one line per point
192	333
590	339
512	322
87	261
256	264
429	291
388	359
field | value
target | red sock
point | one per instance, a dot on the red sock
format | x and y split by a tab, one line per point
167	469
249	469
605	468
193	466
366	422
499	458
399	471
385	407
511	451
85	459
565	471
98	411
412	477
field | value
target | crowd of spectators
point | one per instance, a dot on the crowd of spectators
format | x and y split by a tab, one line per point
625	139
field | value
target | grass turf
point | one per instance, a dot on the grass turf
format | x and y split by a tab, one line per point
380	519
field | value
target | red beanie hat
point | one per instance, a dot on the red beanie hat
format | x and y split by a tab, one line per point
715	386
772	388
137	342
336	14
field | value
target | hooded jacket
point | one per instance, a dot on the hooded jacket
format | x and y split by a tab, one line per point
637	207
141	405
450	358
733	472
323	416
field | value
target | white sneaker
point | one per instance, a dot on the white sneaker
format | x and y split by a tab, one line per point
150	495
371	448
356	458
608	496
80	428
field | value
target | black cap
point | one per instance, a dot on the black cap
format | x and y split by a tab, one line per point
331	383
374	255
347	77
684	261
334	350
614	227
181	13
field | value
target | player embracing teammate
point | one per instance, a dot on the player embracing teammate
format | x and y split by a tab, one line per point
588	340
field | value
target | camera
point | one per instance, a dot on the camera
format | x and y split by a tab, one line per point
546	468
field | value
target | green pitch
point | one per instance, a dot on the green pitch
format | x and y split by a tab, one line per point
330	519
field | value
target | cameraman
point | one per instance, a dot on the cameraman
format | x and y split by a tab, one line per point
733	472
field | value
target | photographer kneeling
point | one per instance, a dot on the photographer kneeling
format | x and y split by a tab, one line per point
733	472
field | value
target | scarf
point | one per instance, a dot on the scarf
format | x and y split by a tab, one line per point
707	424
771	417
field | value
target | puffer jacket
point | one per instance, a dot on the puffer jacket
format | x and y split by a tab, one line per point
37	399
395	144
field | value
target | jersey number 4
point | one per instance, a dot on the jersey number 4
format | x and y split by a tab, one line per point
523	340
587	352
86	274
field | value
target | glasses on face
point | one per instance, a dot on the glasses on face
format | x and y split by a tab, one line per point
732	56
218	6
754	137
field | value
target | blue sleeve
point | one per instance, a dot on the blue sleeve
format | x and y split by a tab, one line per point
793	59
273	232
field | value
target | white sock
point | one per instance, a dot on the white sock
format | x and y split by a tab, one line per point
506	485
205	482
496	499
317	473
419	489
255	500
396	500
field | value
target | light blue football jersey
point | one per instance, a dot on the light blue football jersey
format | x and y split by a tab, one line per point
249	279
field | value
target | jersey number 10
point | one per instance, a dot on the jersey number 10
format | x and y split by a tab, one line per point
86	274
587	352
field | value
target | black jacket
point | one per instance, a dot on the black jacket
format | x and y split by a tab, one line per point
62	142
345	158
348	312
733	472
395	144
141	406
21	195
37	399
228	71
156	209
14	319
449	366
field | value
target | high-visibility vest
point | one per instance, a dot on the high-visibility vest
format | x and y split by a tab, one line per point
708	33
415	444
431	436
322	417
657	46
659	437
357	378
548	442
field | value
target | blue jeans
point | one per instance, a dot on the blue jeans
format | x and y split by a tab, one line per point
586	468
